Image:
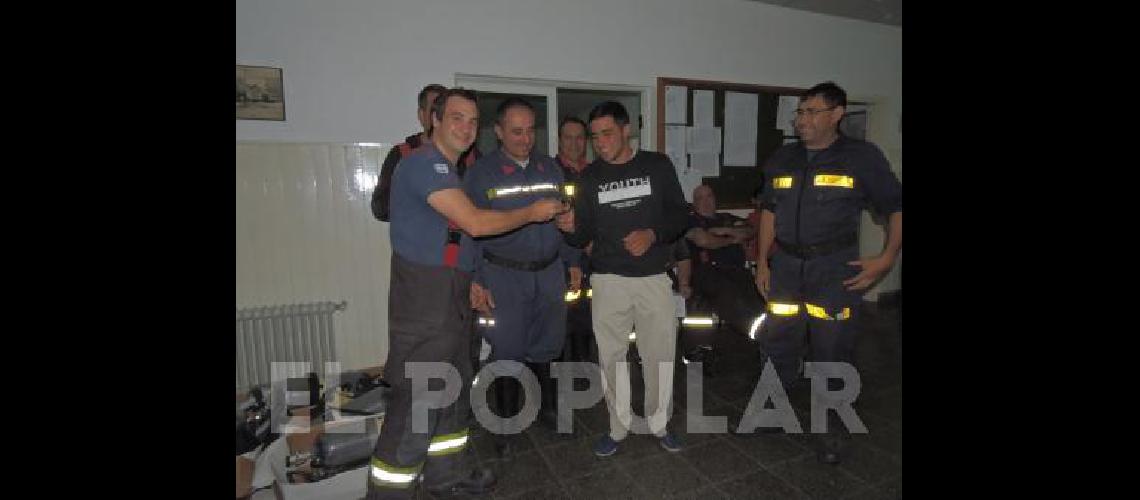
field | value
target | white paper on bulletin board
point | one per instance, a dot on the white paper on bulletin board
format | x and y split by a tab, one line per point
706	164
703	104
704	140
740	116
689	181
675	140
676	104
786	112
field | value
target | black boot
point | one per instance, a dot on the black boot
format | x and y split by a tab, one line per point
831	444
507	405
548	403
589	348
581	348
480	481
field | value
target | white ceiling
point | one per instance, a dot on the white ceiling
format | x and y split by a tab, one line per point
877	11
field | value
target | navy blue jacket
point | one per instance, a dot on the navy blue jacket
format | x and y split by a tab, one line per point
491	184
819	201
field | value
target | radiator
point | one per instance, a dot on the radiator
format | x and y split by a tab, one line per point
292	332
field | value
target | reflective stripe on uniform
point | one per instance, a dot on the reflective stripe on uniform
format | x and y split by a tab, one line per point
446	444
816	311
821	313
516	190
698	321
782	182
756	323
781	309
390	476
835	181
568	190
574	295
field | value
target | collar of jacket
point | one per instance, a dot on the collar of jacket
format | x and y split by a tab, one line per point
532	160
839	141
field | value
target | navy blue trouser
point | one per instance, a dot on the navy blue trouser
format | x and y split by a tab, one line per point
808	302
580	328
530	312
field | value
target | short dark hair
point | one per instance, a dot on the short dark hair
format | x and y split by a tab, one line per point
441	99
421	100
570	119
829	91
512	102
611	109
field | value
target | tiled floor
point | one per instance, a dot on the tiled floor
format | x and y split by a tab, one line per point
724	465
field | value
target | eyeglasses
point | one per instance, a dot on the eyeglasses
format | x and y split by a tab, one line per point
812	112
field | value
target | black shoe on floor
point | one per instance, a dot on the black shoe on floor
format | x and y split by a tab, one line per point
828	457
480	481
828	451
503	449
507	404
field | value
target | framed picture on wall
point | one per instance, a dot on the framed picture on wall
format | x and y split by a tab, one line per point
259	93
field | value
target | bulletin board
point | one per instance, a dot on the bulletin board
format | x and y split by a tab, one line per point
737	172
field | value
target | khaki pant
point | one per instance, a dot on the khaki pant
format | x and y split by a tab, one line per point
644	305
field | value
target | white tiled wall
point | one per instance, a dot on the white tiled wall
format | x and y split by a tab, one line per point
305	232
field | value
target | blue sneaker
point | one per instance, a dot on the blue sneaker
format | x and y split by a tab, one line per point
670	442
605	446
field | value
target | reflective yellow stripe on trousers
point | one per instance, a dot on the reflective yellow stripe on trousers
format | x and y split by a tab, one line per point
446	444
577	294
821	313
783	309
390	476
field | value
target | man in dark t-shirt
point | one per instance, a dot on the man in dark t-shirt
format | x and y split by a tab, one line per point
629	205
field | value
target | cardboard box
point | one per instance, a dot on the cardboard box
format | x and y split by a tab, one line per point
244	476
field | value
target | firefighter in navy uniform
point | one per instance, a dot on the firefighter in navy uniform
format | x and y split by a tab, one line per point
522	273
429	307
811	205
